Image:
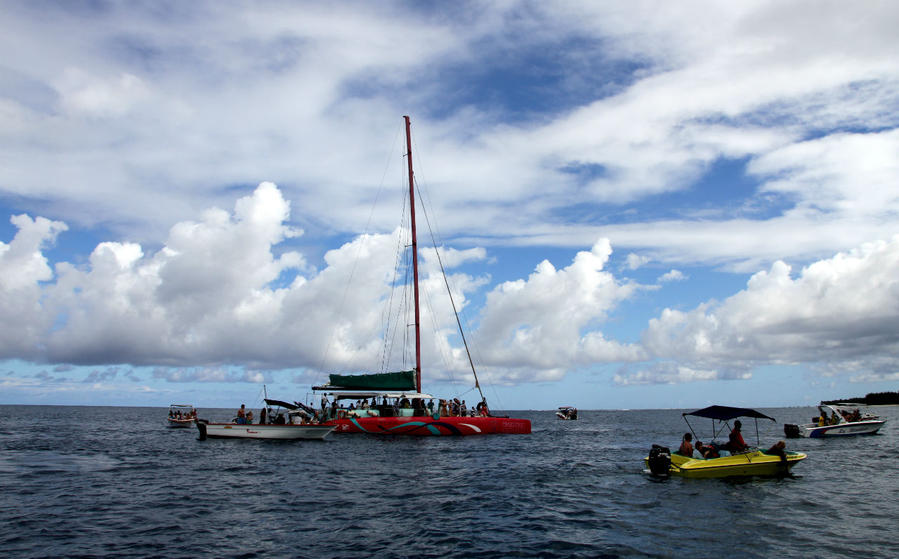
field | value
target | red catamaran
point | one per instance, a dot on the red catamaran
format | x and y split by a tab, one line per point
398	405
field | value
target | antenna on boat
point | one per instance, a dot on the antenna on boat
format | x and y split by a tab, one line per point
414	254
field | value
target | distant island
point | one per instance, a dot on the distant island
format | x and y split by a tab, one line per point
872	399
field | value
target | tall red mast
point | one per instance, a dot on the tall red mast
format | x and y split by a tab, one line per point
414	254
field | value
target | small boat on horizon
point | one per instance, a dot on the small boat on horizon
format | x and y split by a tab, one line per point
181	416
567	412
719	462
836	421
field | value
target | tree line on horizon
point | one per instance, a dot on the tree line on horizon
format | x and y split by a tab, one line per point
870	399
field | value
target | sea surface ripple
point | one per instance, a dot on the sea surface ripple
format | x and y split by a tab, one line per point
108	481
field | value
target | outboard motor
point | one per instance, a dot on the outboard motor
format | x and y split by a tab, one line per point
201	426
791	431
659	460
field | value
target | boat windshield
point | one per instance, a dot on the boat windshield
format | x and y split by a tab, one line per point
843	413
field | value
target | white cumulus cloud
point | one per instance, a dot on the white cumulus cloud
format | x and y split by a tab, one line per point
841	313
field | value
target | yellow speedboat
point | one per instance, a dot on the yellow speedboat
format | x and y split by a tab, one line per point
752	462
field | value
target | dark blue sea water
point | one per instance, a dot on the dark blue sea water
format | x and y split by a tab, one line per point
106	481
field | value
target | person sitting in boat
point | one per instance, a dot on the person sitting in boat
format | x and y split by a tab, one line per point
249	416
686	446
242	415
700	450
707	451
735	442
697	450
779	450
834	420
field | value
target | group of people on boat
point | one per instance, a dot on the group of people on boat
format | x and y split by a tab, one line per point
735	444
178	414
700	450
442	408
266	417
848	416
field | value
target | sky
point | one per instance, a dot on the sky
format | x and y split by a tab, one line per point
637	205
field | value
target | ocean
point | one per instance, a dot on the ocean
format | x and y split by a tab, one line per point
116	482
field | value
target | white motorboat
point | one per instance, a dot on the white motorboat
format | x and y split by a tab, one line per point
181	416
836	421
292	424
286	431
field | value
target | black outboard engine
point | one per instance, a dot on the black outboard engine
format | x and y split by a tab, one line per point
791	431
201	426
659	460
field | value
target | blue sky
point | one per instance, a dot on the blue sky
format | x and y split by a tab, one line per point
638	206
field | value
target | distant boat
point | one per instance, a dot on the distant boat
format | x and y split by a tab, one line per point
567	412
398	406
750	462
181	416
836	421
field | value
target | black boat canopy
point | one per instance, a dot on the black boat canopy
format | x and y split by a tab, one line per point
724	413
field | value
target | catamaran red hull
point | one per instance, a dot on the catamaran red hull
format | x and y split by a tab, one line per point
430	427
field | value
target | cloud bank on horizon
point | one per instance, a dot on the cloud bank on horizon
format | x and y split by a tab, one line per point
756	142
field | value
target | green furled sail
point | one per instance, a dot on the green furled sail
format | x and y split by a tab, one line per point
401	380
